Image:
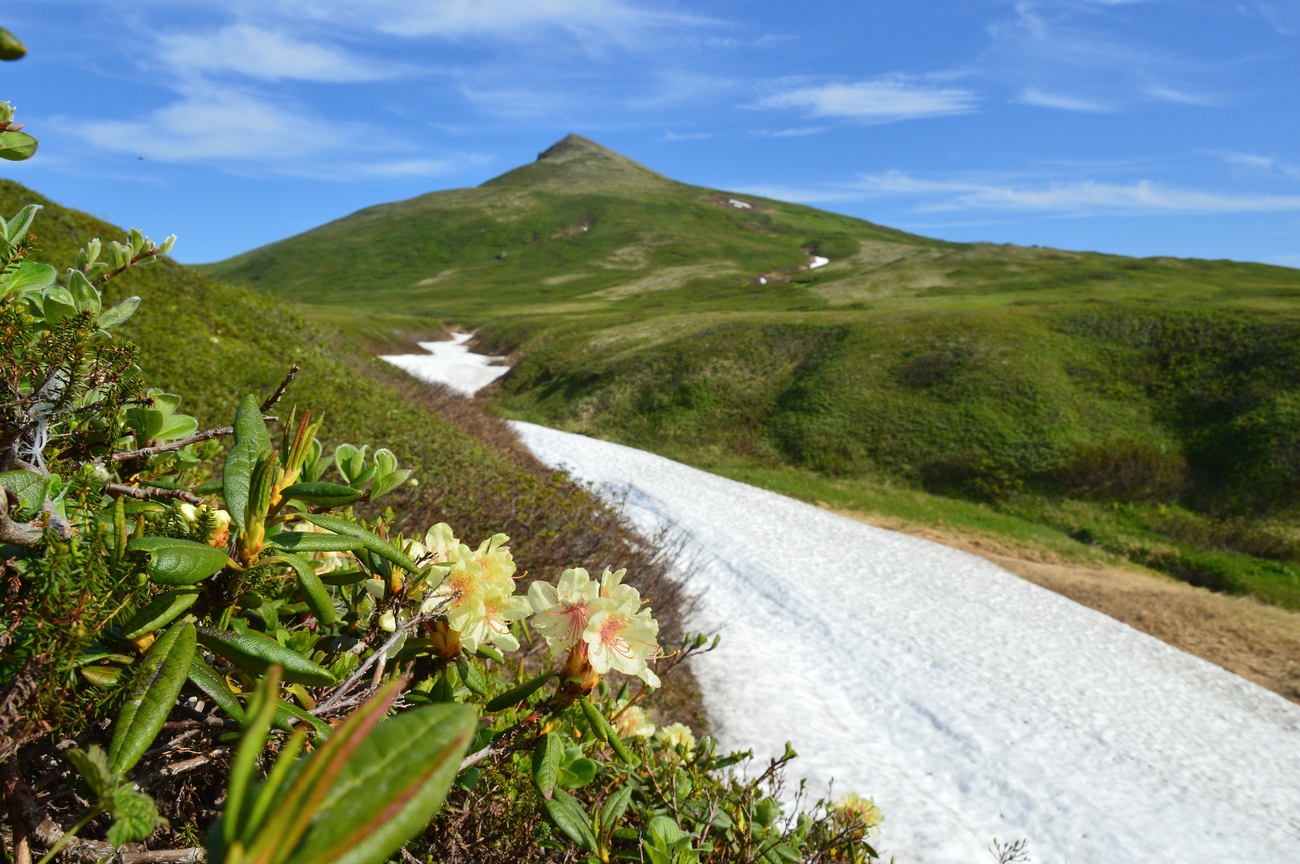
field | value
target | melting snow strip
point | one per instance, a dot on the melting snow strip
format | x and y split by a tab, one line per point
452	364
970	703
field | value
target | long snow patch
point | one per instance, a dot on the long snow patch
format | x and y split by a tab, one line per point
973	705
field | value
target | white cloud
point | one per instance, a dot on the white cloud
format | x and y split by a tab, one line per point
266	54
1079	197
1257	164
669	135
796	132
219	123
1043	99
1173	94
884	99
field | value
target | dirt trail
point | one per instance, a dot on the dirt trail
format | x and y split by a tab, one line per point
1258	642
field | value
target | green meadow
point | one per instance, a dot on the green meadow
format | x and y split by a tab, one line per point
1086	404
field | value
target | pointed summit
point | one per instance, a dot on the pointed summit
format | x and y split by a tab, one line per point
573	147
580	165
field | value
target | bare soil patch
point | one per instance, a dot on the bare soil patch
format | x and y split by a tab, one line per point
1258	642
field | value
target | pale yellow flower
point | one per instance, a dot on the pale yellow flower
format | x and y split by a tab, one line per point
441	545
563	609
855	812
633	723
621	636
677	735
478	594
492	624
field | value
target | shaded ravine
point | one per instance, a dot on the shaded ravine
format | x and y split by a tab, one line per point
970	703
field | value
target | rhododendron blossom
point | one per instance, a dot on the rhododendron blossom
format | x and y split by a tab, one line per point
563	609
621	636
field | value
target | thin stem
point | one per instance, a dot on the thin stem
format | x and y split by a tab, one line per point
70	833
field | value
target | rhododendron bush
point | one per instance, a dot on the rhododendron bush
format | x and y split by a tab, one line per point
222	625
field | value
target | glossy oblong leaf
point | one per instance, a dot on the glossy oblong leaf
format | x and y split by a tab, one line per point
571	819
368	539
547	753
307	541
519	692
605	731
286	712
173	561
205	678
615	806
313	590
166	666
10	47
254	651
390	787
323	494
237	481
471	677
17	146
160	611
249	425
29	488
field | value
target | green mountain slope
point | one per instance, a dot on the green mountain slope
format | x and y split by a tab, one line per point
213	343
1145	407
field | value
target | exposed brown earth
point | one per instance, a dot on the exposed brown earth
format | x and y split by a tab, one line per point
1258	642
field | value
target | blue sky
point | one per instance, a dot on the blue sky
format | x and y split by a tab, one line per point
1142	128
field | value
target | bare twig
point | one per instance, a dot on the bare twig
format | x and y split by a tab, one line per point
120	270
343	689
279	391
146	452
154	494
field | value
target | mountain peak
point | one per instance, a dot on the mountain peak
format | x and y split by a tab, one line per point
575	146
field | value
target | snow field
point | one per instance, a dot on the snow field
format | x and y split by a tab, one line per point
452	364
970	703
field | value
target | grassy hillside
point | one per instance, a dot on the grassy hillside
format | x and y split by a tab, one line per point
213	343
1144	408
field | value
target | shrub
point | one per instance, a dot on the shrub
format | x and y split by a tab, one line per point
1126	471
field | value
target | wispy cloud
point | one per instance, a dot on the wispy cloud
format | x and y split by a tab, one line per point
669	135
795	132
269	55
1044	99
881	100
220	124
1257	164
1076	197
1174	94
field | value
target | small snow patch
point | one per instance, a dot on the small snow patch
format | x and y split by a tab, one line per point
818	261
452	364
740	205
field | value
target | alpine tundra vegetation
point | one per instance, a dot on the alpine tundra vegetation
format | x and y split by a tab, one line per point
218	645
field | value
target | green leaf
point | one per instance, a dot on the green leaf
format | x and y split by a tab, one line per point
205	678
102	676
118	314
309	541
135	816
350	577
11	49
388	482
615	806
174	561
371	541
287	711
471	677
257	652
767	812
249	425
577	773
17	146
176	427
385	461
83	293
57	304
237	481
92	765
605	731
165	668
663	832
313	590
390	787
546	763
26	276
16	228
571	819
323	494
147	422
161	611
29	488
520	692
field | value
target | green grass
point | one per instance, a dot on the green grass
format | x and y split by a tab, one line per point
1052	386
